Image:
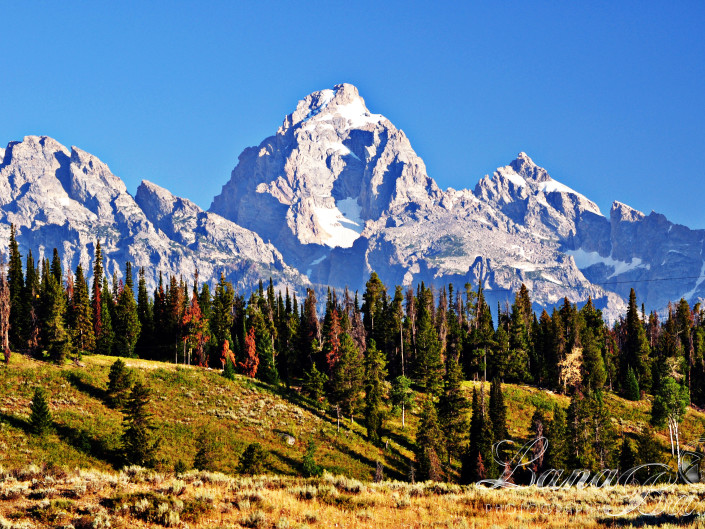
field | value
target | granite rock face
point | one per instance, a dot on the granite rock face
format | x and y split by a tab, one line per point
341	192
338	192
68	199
331	167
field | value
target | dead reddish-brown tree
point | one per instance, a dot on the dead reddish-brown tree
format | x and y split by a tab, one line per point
251	363
226	353
332	346
196	331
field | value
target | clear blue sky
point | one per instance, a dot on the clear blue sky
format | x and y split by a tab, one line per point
608	96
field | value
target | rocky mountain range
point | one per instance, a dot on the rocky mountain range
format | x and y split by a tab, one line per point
339	192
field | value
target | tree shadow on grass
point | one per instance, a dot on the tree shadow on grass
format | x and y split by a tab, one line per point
399	439
78	438
294	464
16	422
393	471
86	443
648	520
77	381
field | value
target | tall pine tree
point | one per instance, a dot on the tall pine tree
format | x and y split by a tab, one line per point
375	373
452	409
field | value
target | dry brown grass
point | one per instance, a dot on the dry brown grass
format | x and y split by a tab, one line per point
136	497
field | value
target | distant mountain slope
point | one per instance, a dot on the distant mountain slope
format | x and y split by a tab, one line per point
338	192
68	199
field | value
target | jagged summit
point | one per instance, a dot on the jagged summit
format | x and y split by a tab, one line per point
331	168
342	103
623	212
523	190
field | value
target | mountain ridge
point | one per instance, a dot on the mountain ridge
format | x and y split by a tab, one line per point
338	192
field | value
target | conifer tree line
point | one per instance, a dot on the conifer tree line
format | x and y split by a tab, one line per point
357	352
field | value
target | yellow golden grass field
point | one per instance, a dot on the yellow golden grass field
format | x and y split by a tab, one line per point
136	497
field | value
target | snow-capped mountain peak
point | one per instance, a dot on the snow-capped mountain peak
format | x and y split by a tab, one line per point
332	167
341	107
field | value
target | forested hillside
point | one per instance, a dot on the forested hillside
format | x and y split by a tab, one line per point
368	358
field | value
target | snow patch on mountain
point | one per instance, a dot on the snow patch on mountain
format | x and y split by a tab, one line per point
585	259
357	114
553	186
341	228
511	175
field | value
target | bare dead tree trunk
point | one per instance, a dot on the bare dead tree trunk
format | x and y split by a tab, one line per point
4	313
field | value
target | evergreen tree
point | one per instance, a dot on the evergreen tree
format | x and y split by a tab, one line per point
627	456
288	330
348	377
375	373
96	300
557	441
206	449
517	365
5	310
222	316
104	339
56	337
429	443
396	359
331	346
558	349
253	460
543	359
374	298
175	308
229	369
82	332
581	434
15	279
402	396
481	343
605	438
40	417
32	332
635	350
145	315
537	431
267	370
452	409
120	380
310	467
314	383
593	366
428	348
138	445
498	361
56	270
478	462
498	411
632	386
649	453
127	324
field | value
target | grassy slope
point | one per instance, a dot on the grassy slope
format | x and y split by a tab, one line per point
188	400
185	401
